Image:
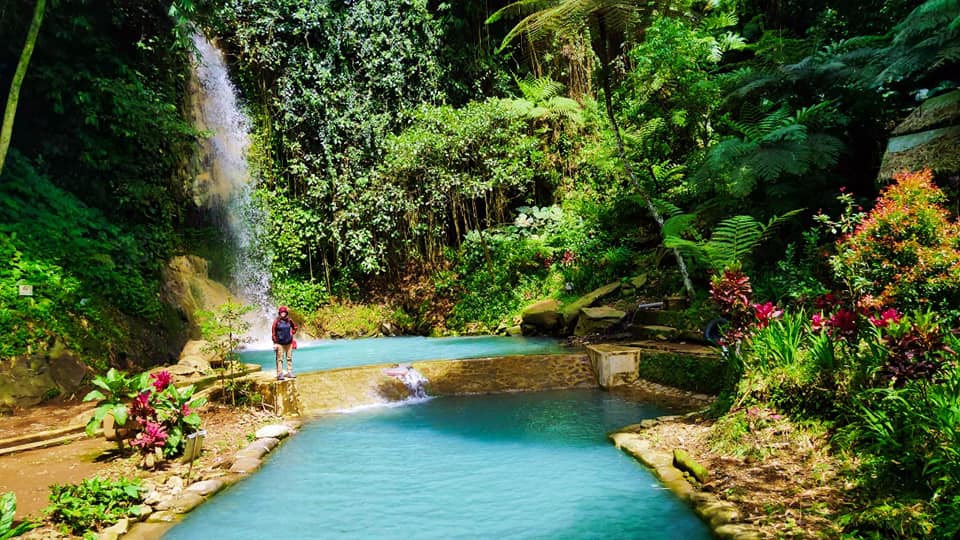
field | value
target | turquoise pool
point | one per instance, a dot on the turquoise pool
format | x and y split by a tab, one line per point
526	465
336	353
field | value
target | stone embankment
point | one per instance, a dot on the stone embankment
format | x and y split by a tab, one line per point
722	516
165	504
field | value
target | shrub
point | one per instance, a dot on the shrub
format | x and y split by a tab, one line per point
94	503
165	415
114	391
906	251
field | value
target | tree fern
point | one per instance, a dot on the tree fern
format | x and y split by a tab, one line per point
731	243
774	145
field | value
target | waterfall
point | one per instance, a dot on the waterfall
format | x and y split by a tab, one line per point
411	378
226	186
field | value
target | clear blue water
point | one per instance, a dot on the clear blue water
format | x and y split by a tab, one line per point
526	465
329	354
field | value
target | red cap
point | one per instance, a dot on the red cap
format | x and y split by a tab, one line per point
283	309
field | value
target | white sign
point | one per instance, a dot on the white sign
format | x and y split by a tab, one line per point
26	290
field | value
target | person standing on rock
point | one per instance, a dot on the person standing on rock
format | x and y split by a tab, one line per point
283	331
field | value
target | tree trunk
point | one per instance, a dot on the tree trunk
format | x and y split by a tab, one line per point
608	103
14	96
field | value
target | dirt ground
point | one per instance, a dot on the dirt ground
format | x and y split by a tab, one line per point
29	474
786	484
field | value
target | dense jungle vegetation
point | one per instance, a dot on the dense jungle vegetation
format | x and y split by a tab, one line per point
456	162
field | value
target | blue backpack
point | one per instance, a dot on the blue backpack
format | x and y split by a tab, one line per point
284	332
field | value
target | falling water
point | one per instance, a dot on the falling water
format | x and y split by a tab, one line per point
226	185
415	382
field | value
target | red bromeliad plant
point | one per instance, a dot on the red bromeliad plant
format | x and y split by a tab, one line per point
731	291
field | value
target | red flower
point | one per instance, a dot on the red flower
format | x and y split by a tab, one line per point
140	409
765	313
161	380
844	321
888	316
818	321
154	435
826	301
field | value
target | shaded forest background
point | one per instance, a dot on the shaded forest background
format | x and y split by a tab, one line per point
406	153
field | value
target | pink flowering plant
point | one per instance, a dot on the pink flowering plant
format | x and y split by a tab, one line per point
164	415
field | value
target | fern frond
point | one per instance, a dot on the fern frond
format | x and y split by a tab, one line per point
777	221
565	107
677	225
789	132
926	19
731	41
521	8
733	240
947	55
770	163
540	89
520	107
667	172
823	150
814	114
719	21
689	249
666	208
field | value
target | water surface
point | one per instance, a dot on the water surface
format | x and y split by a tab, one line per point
329	354
526	465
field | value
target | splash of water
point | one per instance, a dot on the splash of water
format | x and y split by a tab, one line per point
411	378
226	186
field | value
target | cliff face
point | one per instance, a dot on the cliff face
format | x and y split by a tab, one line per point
188	288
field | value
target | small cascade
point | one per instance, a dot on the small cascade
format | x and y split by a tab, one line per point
411	378
226	187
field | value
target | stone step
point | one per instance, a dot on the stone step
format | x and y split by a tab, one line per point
44	439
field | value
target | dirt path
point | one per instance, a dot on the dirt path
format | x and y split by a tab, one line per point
29	474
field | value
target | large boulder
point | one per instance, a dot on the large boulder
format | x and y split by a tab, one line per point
196	356
541	318
571	311
596	320
28	381
187	286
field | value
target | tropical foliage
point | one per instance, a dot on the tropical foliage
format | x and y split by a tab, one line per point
450	164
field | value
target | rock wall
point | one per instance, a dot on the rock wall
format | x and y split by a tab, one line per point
339	389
